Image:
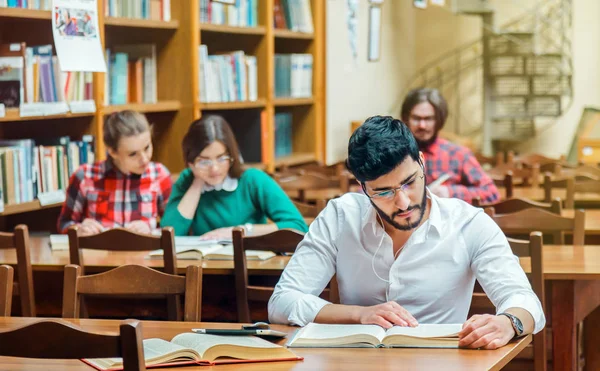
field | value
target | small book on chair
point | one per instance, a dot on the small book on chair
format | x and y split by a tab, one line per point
212	251
316	335
202	350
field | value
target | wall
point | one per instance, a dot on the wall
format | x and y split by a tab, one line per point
358	90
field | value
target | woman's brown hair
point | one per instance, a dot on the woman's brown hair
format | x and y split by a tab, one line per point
204	132
124	124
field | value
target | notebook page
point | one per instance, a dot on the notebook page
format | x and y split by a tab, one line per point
323	331
202	342
425	330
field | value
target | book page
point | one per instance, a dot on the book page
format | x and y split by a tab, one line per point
59	242
319	331
179	249
425	330
226	253
202	342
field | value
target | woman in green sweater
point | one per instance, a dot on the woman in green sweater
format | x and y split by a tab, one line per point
214	194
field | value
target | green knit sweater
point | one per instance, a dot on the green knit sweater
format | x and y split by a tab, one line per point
256	198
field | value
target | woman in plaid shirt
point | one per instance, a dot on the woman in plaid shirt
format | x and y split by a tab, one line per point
126	190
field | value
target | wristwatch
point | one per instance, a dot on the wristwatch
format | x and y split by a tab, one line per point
249	228
516	323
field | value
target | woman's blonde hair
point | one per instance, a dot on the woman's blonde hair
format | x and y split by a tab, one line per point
123	124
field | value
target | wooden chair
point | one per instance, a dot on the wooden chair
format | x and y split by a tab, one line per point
133	280
296	185
512	205
551	182
19	240
490	161
123	240
574	186
528	177
308	211
57	339
529	220
505	182
281	241
589	171
6	290
533	249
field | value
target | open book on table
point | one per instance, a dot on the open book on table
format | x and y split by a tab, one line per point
202	349
211	251
316	335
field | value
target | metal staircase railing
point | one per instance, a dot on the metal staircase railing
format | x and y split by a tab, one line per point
527	64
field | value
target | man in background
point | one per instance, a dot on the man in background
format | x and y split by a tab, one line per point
425	112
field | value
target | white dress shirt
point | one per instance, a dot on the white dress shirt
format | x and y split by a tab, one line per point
433	276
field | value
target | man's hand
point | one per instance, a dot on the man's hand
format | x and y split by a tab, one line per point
89	227
486	331
387	315
139	226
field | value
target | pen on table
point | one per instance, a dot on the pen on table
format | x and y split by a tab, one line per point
210	331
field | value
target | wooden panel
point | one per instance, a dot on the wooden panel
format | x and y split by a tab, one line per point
162	106
288	34
13	115
114	22
260	103
26	14
234	30
282	102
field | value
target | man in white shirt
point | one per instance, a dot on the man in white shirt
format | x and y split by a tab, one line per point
403	255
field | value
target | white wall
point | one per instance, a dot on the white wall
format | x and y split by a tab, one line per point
358	90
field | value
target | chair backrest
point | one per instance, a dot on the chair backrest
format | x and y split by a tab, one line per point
19	240
133	280
120	239
6	290
527	176
496	160
551	182
512	205
575	186
592	172
58	339
281	241
533	219
505	182
533	249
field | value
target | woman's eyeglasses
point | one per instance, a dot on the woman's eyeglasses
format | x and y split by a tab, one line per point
205	164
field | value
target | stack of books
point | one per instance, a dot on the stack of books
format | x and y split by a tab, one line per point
241	13
132	76
228	77
294	15
293	75
159	10
283	134
27	4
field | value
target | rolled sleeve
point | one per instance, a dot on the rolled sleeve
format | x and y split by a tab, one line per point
530	304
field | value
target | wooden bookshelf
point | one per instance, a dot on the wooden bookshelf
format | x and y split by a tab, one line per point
234	30
177	43
286	102
161	106
27	207
141	23
288	34
26	14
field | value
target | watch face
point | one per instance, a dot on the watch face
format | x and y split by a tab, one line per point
518	325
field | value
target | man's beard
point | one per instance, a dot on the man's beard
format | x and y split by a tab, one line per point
424	144
408	226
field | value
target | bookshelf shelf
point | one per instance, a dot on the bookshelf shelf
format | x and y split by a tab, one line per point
25	13
26	207
286	102
233	30
261	103
296	159
12	114
141	23
288	34
162	106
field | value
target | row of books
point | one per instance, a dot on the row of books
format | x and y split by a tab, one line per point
31	167
295	15
27	4
229	77
132	76
293	75
283	134
159	10
33	75
242	13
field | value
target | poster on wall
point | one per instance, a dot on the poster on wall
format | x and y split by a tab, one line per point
374	33
352	23
76	36
421	4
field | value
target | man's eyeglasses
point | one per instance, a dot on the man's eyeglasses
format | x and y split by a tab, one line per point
205	164
390	194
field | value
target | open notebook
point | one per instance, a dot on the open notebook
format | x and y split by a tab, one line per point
365	336
202	349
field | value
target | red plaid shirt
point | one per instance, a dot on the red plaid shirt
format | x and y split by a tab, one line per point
467	178
102	192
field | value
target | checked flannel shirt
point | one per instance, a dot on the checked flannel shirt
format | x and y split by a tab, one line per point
101	192
467	178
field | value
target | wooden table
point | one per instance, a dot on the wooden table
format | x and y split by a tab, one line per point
585	200
314	359
573	270
592	220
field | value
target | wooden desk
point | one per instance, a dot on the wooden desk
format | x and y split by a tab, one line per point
314	359
582	200
592	220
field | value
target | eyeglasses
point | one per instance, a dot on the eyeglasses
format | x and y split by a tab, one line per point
390	194
416	120
207	164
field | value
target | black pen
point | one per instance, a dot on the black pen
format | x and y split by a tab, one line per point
234	332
